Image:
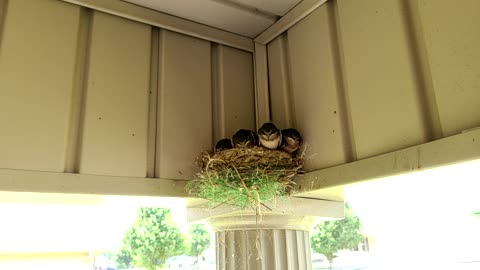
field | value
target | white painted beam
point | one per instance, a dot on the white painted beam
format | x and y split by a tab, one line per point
166	21
299	12
455	149
51	182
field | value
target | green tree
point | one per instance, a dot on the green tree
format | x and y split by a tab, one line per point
124	257
151	240
199	240
328	237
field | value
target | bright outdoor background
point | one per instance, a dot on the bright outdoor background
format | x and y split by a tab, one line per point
423	220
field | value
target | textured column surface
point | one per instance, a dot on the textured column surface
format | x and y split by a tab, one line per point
272	242
266	249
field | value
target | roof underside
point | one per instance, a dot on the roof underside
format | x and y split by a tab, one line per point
244	17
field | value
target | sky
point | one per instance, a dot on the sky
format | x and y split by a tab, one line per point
417	217
424	217
72	223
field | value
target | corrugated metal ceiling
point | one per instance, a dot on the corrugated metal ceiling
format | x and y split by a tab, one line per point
245	17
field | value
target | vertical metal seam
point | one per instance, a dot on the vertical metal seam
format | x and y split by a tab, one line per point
221	85
153	102
255	86
3	17
267	93
218	102
422	72
261	98
345	108
74	140
290	101
214	79
160	99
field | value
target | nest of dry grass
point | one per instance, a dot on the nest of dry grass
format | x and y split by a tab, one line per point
245	177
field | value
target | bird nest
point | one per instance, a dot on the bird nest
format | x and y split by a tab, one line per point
244	177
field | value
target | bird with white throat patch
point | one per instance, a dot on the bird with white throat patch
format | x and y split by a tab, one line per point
269	136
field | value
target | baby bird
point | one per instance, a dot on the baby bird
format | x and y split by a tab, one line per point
223	144
244	138
269	136
292	140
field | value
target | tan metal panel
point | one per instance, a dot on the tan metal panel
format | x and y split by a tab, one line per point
67	183
234	94
452	40
383	93
153	106
296	14
450	150
277	7
281	105
185	104
421	70
167	21
315	90
77	103
116	112
37	60
225	15
262	102
3	13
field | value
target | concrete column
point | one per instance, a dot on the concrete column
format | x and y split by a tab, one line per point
279	242
278	239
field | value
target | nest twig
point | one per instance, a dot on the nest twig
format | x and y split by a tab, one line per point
245	176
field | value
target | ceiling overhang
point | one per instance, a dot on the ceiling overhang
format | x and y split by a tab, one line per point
247	18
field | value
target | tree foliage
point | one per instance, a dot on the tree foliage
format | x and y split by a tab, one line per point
151	240
329	237
124	257
199	239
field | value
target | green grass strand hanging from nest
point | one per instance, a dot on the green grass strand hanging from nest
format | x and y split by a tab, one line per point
244	177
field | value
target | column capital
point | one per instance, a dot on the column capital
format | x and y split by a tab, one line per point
249	220
287	213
